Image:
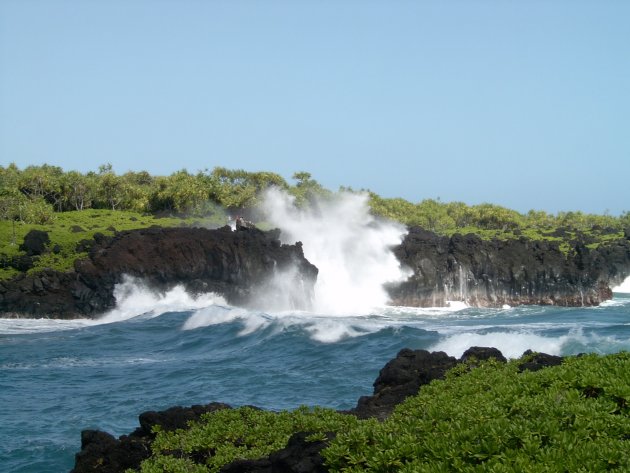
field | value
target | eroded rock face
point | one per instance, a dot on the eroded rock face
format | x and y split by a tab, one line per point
235	264
492	273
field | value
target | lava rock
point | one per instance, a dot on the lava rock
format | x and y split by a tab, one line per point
103	453
236	265
402	377
35	242
482	353
494	273
538	361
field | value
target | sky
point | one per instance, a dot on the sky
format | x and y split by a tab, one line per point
524	104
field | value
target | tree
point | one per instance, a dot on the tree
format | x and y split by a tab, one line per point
307	190
180	192
77	191
42	181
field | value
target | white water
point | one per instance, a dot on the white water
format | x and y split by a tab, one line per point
624	287
351	249
133	298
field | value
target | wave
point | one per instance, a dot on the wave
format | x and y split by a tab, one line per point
133	299
624	287
25	326
513	342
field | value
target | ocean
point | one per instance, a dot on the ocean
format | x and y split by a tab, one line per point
59	377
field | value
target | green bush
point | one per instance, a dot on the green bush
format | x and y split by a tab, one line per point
487	418
244	433
568	418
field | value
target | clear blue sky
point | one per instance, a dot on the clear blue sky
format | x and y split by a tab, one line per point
521	103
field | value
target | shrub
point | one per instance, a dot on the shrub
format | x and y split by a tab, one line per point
572	417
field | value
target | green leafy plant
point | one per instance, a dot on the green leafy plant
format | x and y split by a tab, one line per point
573	417
484	417
244	433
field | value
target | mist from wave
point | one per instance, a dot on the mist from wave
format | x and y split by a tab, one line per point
352	250
624	287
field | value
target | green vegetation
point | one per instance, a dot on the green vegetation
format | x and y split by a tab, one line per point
493	221
48	198
573	417
484	417
244	433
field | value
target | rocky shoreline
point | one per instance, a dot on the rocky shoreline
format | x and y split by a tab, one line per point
237	265
493	273
240	266
400	378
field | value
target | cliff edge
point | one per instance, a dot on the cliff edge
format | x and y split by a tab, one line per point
237	265
491	273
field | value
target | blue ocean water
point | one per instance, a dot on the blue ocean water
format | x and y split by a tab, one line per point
59	377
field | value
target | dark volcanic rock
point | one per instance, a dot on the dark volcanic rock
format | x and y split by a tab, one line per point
237	265
401	378
103	453
35	242
482	353
491	273
299	456
538	361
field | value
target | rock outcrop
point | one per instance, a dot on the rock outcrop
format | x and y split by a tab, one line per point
239	265
103	453
492	273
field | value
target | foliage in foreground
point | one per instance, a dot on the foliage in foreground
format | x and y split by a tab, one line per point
569	418
244	433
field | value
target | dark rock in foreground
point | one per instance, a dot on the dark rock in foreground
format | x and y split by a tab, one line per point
239	265
408	372
103	453
491	273
400	378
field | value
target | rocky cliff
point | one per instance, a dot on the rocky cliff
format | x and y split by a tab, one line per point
239	265
491	273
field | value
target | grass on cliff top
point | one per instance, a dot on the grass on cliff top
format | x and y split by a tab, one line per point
63	233
490	418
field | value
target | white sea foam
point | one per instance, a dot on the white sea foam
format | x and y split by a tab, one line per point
23	326
220	314
624	287
351	249
511	344
133	298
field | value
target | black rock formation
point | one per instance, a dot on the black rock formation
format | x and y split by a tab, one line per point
491	273
35	242
238	265
103	453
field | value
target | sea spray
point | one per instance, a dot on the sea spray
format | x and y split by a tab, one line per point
351	249
134	298
624	287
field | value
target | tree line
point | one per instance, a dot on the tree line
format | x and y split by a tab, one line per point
34	194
